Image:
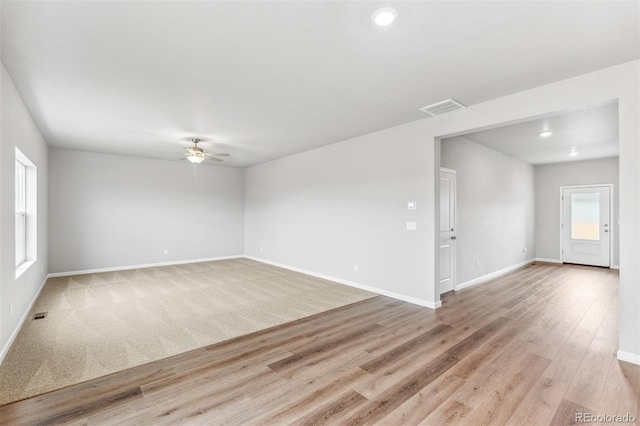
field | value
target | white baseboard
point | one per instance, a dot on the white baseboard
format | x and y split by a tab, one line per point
492	275
629	357
542	259
398	296
6	347
146	265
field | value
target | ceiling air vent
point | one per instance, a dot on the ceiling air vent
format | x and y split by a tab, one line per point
443	107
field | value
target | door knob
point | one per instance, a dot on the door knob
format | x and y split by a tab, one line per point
606	230
453	237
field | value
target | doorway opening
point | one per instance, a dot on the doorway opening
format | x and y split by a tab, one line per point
508	180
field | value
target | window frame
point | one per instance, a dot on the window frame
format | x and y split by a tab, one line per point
25	187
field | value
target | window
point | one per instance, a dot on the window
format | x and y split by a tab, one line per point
26	199
21	213
585	216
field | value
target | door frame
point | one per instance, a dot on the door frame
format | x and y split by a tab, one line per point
613	222
454	246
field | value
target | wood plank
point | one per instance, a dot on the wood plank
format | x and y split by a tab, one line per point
549	340
476	339
568	413
306	406
623	382
545	396
331	411
325	346
392	398
297	397
588	383
504	341
506	364
69	402
502	394
96	405
425	402
394	371
404	350
450	413
402	329
191	378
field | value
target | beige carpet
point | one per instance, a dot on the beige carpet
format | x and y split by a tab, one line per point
98	324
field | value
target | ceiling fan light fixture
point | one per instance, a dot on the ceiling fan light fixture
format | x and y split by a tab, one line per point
195	158
546	134
195	153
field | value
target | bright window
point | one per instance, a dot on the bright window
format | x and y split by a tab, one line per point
21	213
585	216
26	209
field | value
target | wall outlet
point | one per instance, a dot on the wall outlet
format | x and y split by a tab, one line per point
477	263
355	268
411	226
524	250
11	309
261	249
166	251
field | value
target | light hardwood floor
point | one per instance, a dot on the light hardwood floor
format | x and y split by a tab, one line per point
534	347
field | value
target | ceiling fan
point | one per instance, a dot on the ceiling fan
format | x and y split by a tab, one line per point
196	155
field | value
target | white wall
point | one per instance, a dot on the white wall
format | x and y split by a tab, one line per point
18	130
329	209
549	178
111	211
495	208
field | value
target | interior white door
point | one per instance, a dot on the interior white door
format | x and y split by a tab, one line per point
586	229
447	230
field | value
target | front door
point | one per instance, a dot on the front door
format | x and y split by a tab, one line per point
447	230
586	229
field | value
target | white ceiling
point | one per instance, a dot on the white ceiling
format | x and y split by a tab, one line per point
266	79
591	132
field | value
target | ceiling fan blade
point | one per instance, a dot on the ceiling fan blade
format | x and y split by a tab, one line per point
214	159
223	154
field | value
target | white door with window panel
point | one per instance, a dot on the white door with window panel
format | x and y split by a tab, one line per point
447	230
586	228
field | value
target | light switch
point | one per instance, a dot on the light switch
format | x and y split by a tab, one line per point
412	205
411	226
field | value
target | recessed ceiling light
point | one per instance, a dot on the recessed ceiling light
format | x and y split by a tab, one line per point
546	133
384	16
